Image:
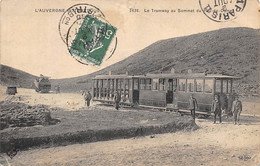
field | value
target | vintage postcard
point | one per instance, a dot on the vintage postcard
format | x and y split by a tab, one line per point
129	82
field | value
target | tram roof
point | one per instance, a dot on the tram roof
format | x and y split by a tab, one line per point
220	76
189	75
117	76
167	75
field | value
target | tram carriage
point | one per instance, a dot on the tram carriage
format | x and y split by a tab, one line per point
165	90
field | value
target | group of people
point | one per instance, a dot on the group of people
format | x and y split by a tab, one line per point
87	96
217	109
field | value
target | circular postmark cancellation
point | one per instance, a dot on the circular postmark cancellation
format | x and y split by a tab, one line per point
89	37
222	10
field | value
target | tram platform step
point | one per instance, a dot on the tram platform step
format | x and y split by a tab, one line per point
153	107
197	112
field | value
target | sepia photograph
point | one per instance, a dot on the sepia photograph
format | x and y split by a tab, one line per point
129	82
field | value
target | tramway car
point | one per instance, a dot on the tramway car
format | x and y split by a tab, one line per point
165	90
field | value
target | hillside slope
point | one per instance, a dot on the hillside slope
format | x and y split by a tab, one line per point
233	51
13	77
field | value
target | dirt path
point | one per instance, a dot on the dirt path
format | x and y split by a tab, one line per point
212	144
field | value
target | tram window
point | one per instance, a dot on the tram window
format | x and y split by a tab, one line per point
170	85
120	86
182	85
148	84
104	83
174	85
105	87
142	83
100	84
218	86
190	85
199	85
108	83
126	83
208	86
116	84
130	84
127	88
112	85
225	86
95	83
101	87
136	84
162	83
229	86
155	84
108	88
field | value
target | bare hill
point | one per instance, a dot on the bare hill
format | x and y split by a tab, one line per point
13	77
233	51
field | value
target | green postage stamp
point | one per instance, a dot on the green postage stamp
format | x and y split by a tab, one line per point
92	40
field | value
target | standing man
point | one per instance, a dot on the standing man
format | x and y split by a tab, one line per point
87	97
117	100
193	105
236	110
216	108
57	89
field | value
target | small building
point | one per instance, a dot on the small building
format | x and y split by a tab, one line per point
11	90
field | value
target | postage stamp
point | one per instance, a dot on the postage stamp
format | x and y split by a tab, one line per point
92	40
222	10
88	35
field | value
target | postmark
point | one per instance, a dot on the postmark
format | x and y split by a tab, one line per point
74	13
88	35
222	10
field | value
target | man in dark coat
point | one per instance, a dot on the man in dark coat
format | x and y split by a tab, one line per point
192	105
117	100
57	89
236	110
216	108
87	97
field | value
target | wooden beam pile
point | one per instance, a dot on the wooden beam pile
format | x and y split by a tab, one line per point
20	115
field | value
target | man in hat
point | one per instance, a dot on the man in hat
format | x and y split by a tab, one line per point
236	109
87	97
216	108
117	100
192	106
57	89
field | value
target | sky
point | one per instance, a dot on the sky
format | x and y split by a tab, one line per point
30	40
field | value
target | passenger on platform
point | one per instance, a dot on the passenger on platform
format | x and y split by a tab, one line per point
216	109
192	105
236	110
117	100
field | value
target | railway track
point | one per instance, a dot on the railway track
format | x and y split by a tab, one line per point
165	109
